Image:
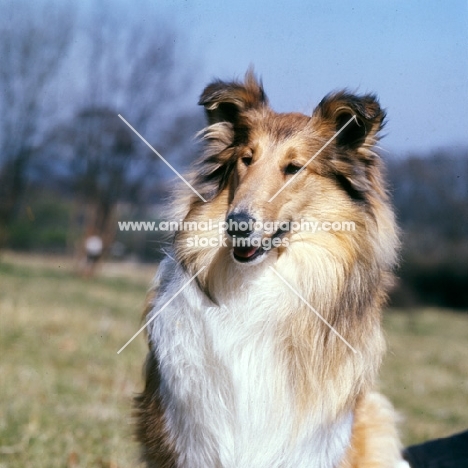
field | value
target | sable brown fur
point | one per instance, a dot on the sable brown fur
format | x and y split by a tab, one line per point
149	412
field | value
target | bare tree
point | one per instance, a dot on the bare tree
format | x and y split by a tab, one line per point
431	197
130	68
33	41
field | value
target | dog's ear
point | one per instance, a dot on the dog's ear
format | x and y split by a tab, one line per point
354	122
224	102
358	119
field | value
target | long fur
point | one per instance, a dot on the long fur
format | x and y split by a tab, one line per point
241	371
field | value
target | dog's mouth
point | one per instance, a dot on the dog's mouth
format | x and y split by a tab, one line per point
247	253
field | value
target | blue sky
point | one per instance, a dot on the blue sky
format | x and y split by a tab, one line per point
413	54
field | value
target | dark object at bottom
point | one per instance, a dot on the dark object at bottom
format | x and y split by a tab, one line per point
451	452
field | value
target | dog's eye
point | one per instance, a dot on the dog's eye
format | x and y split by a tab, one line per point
246	160
292	169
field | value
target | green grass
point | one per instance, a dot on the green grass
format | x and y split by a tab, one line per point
65	394
425	372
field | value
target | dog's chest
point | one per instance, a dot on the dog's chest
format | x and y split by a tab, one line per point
229	402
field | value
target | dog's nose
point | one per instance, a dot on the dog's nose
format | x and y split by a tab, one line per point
240	224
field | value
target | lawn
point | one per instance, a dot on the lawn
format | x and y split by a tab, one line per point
66	395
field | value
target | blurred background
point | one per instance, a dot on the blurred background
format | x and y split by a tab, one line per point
70	169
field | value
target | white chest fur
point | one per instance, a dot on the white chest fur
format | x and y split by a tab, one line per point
228	399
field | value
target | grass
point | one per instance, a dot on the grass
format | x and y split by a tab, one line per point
66	395
425	373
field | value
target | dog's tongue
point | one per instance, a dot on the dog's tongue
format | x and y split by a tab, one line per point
245	252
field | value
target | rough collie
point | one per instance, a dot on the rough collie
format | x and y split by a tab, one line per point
265	336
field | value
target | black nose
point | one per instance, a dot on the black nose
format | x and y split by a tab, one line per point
240	224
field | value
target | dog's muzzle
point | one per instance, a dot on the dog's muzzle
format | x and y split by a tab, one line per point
248	237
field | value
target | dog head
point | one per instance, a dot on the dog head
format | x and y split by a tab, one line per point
274	168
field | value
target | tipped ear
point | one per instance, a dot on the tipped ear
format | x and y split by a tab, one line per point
358	119
225	101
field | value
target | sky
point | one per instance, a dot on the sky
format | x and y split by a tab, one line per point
412	53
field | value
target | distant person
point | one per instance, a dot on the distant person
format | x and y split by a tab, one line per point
94	248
